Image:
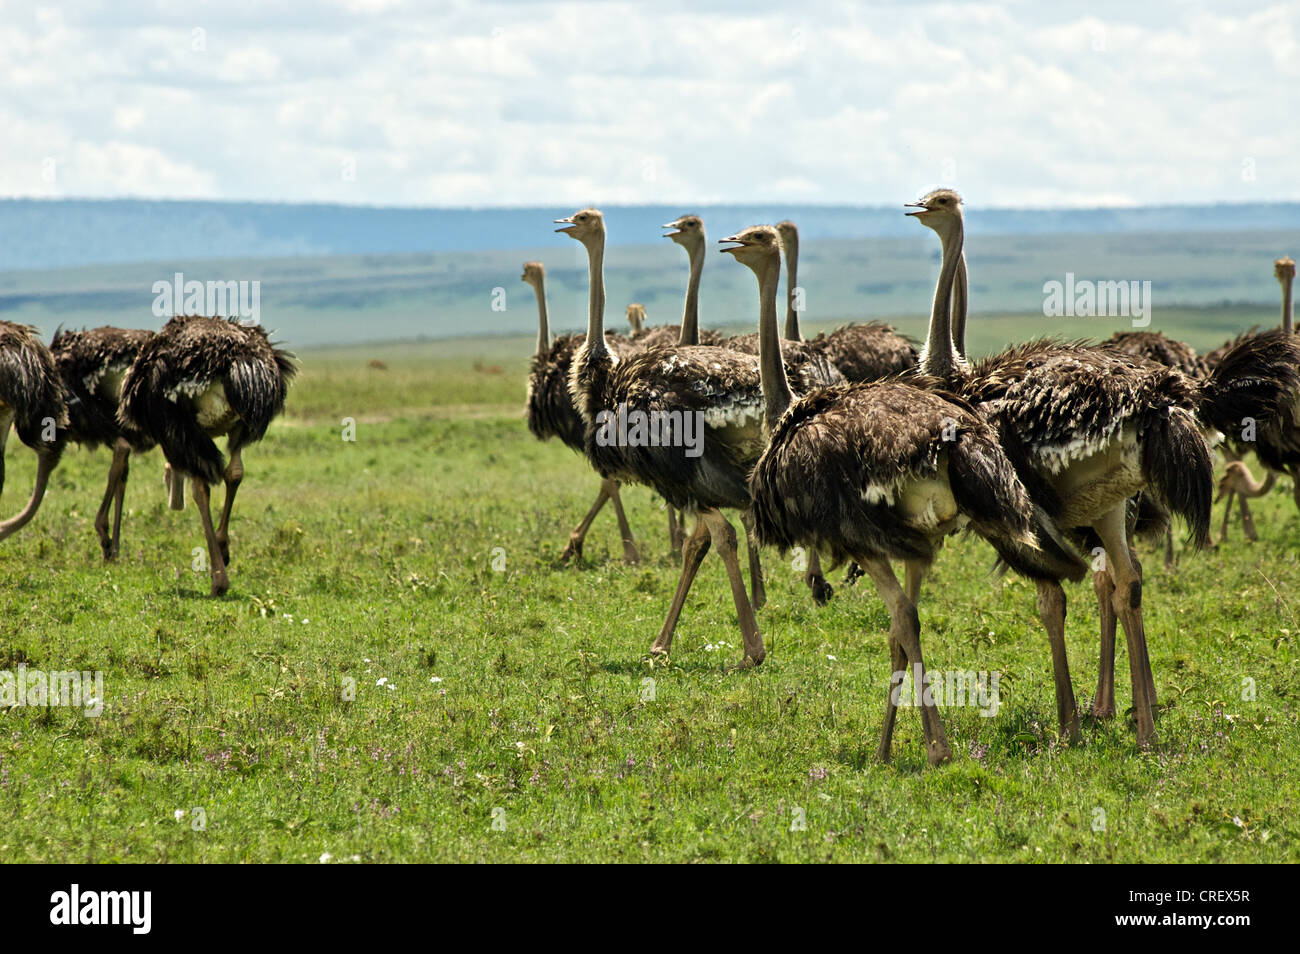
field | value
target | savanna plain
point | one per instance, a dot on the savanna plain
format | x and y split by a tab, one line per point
402	671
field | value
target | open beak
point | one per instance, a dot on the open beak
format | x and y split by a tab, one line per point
734	248
570	228
921	208
677	229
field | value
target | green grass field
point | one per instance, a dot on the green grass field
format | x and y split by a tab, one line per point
500	710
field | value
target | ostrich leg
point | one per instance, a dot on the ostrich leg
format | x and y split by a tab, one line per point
1103	703
579	533
675	534
1169	548
119	501
756	586
693	551
1127	600
905	629
914	572
1051	610
233	475
45	463
1247	519
630	556
116	476
220	582
724	541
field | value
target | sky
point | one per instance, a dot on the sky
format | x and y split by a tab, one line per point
383	102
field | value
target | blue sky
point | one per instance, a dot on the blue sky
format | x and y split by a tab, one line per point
537	103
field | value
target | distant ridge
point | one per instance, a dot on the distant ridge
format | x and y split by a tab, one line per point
54	233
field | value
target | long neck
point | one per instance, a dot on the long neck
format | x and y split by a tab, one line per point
939	358
1288	322
543	321
960	298
791	284
776	387
690	333
596	298
1253	488
45	462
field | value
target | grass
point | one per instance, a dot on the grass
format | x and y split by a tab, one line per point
425	550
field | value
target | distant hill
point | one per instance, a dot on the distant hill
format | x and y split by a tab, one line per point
61	233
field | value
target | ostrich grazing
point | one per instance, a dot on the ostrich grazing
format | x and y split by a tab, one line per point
33	401
1088	429
92	365
714	389
866	351
198	379
880	471
551	413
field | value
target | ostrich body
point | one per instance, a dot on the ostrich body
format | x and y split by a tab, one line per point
198	379
718	387
33	402
1088	429
550	411
93	365
880	471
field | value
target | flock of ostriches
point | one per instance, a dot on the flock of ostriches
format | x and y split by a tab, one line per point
851	444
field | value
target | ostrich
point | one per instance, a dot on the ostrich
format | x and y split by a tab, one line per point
880	471
551	413
198	379
32	399
636	318
92	365
1088	429
862	352
714	389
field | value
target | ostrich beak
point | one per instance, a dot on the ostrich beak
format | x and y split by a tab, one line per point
921	208
731	238
570	227
672	225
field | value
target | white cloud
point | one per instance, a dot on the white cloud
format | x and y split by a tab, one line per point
565	103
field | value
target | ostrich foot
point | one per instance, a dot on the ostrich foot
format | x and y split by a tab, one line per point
821	590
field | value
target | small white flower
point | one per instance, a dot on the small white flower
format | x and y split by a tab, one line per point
435	678
831	658
325	858
179	814
381	680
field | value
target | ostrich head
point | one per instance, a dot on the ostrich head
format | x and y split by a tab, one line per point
1235	479
939	210
688	232
757	247
1284	269
636	316
587	226
789	233
534	272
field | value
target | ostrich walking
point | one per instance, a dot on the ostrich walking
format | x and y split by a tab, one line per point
711	390
551	413
198	379
92	365
32	400
881	471
1088	429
